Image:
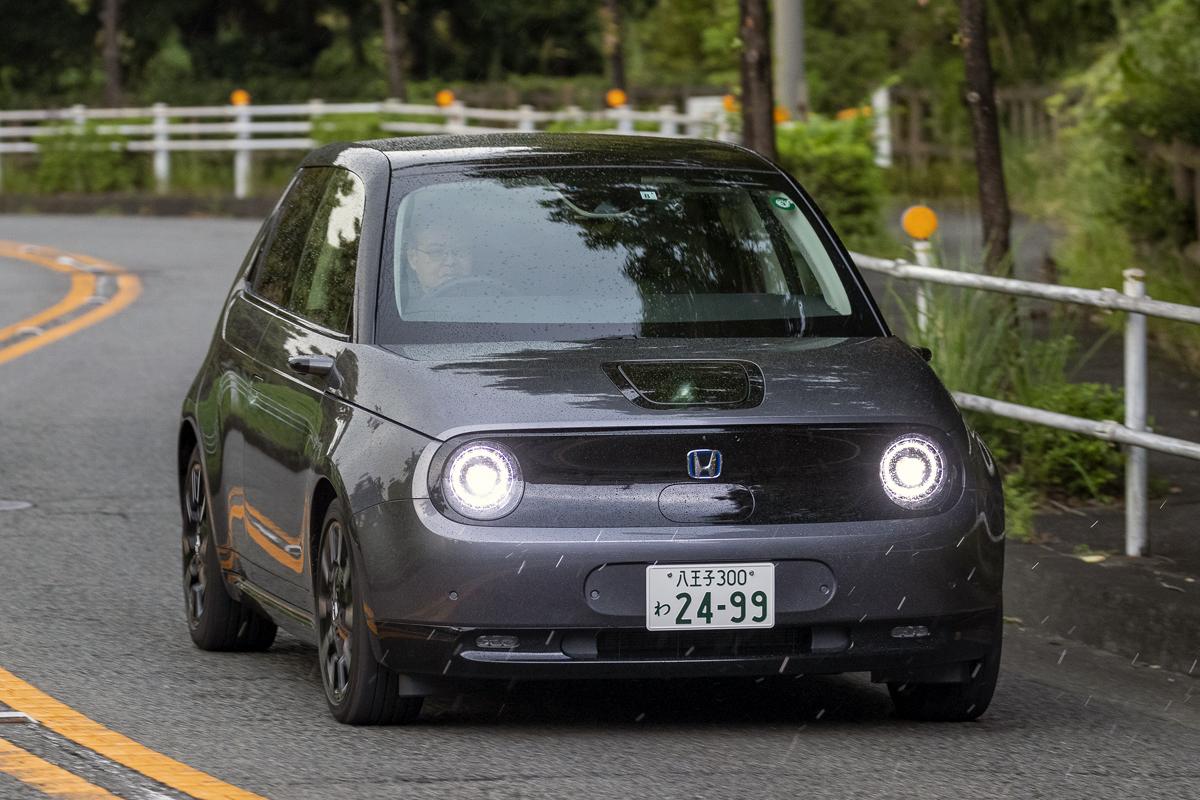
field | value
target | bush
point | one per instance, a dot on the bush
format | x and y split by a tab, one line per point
982	345
84	160
835	162
1100	182
347	128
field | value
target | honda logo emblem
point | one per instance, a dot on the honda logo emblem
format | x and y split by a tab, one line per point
704	464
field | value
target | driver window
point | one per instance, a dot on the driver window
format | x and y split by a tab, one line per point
323	289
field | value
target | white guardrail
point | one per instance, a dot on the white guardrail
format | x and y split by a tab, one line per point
1134	433
162	129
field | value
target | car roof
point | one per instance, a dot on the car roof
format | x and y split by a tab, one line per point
549	150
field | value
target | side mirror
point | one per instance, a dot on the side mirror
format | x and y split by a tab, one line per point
924	352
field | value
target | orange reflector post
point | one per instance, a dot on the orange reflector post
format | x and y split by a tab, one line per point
919	222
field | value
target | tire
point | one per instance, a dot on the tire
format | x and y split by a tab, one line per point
358	689
952	702
215	620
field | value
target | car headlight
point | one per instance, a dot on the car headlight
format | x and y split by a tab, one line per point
482	480
913	471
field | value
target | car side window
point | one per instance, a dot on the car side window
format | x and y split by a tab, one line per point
276	271
323	288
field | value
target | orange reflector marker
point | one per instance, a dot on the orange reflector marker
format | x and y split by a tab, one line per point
239	97
616	98
919	222
444	98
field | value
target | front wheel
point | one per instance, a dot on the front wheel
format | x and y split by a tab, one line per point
358	689
215	620
952	702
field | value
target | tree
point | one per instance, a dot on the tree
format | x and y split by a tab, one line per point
394	50
985	131
758	104
110	22
613	41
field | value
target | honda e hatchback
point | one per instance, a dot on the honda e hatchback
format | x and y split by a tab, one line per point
549	407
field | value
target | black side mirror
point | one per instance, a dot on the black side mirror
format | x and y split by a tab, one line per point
924	352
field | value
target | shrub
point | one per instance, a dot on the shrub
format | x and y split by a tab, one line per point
835	162
347	128
1100	182
982	345
84	160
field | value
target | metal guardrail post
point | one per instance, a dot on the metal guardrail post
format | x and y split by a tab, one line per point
881	111
624	119
668	125
920	222
525	118
162	155
1137	540
456	117
924	255
316	109
241	156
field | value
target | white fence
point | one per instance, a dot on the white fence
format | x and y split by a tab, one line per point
242	130
1134	433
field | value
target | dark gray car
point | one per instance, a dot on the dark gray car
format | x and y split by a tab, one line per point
539	406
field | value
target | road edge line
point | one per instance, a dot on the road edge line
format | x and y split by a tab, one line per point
57	716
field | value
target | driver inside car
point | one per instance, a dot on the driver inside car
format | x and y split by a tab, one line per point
436	260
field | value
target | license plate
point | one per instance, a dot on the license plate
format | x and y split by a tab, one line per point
710	596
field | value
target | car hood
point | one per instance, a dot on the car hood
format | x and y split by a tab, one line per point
445	389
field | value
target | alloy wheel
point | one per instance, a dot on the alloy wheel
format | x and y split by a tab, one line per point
335	611
195	538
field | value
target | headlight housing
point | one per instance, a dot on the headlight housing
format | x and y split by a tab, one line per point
913	471
482	480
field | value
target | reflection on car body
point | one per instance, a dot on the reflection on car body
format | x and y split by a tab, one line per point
536	406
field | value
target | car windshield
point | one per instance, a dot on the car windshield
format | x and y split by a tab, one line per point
595	253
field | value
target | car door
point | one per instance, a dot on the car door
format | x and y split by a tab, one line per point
229	392
308	287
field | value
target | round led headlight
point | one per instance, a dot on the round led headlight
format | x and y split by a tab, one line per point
913	471
482	480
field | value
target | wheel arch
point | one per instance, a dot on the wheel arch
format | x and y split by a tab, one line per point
186	442
323	495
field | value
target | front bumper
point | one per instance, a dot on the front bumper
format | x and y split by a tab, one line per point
575	596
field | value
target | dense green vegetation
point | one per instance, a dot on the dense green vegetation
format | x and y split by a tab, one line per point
1102	180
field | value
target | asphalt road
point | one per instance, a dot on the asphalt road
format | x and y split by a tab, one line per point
91	613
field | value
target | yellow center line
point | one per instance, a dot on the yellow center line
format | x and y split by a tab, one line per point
46	777
69	723
83	287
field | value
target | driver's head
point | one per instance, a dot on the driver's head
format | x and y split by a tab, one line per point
436	256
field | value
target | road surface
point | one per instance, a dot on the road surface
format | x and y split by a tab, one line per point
91	615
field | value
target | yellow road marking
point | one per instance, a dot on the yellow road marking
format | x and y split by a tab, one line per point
46	777
67	722
83	287
16	693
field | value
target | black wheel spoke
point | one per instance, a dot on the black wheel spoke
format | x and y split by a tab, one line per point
195	542
335	610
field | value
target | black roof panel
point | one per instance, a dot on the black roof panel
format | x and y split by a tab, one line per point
551	149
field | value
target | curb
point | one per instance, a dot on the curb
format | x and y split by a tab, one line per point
1133	608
